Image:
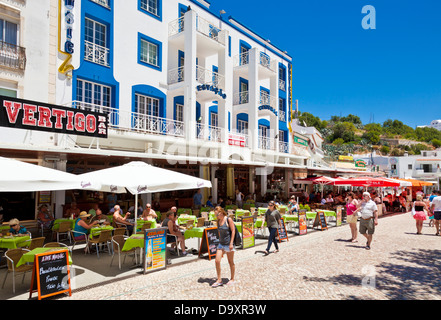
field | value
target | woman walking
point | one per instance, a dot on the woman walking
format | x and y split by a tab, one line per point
272	218
227	232
420	214
351	216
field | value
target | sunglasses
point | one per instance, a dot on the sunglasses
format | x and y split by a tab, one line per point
13	225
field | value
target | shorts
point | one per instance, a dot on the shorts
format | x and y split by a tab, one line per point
437	215
226	248
352	218
367	225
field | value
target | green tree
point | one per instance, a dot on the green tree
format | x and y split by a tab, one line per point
436	143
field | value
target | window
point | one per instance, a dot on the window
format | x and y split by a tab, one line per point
95	36
214	119
8	32
242	126
151	7
90	93
95	32
179	112
409	166
150	52
146	105
104	3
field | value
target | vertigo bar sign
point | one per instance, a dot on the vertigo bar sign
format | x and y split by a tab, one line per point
31	115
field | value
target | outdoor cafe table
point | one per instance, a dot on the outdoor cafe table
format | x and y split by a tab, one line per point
29	257
95	231
182	219
141	222
240	212
14	242
136	240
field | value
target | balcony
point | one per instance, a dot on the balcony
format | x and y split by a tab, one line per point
96	54
12	56
267	100
135	122
283	147
282	85
266	143
209	77
241	98
104	3
267	66
203	27
208	133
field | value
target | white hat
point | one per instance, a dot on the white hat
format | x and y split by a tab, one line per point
366	194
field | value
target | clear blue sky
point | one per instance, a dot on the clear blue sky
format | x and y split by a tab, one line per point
339	68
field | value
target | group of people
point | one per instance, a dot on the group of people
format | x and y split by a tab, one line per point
427	208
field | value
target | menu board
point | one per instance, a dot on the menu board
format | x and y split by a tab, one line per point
51	274
248	240
338	216
320	220
210	240
303	228
155	255
281	231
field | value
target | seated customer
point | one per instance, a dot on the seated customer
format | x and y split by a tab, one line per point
73	211
45	217
173	229
100	216
16	228
149	214
118	218
82	226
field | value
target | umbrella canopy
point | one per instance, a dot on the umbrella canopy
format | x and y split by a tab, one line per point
139	177
315	180
367	182
416	183
19	176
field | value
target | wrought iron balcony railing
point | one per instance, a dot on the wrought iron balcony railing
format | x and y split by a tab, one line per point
12	56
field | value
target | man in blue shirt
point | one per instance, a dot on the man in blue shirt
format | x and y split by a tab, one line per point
209	203
197	200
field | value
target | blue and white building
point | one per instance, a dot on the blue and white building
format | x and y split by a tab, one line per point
183	87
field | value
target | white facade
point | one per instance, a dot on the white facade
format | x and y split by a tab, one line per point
434	124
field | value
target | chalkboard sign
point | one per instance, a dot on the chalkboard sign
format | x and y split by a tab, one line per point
281	231
210	240
320	220
51	274
303	227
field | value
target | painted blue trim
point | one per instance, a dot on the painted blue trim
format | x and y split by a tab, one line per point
157	43
211	110
264	89
263	122
229	121
244	44
157	17
242	80
229	46
109	4
177	100
93	72
152	92
242	117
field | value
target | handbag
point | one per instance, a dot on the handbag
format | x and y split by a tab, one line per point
237	239
412	212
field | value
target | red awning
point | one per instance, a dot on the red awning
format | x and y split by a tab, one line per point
366	182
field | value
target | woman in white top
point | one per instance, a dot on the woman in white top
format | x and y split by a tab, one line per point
239	198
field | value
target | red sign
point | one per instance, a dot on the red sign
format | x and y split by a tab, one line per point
236	140
30	115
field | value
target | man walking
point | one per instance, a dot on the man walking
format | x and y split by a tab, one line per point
436	209
368	219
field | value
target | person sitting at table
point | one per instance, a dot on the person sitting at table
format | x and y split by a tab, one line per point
45	217
173	229
99	216
73	211
149	214
209	203
82	226
221	203
118	218
16	228
94	209
293	206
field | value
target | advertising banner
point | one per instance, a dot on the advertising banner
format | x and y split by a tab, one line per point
31	115
155	254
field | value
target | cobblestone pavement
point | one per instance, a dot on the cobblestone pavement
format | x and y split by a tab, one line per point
321	265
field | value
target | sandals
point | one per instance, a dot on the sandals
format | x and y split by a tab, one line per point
277	250
216	284
231	283
266	253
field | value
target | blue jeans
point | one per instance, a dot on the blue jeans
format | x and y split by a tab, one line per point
271	239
